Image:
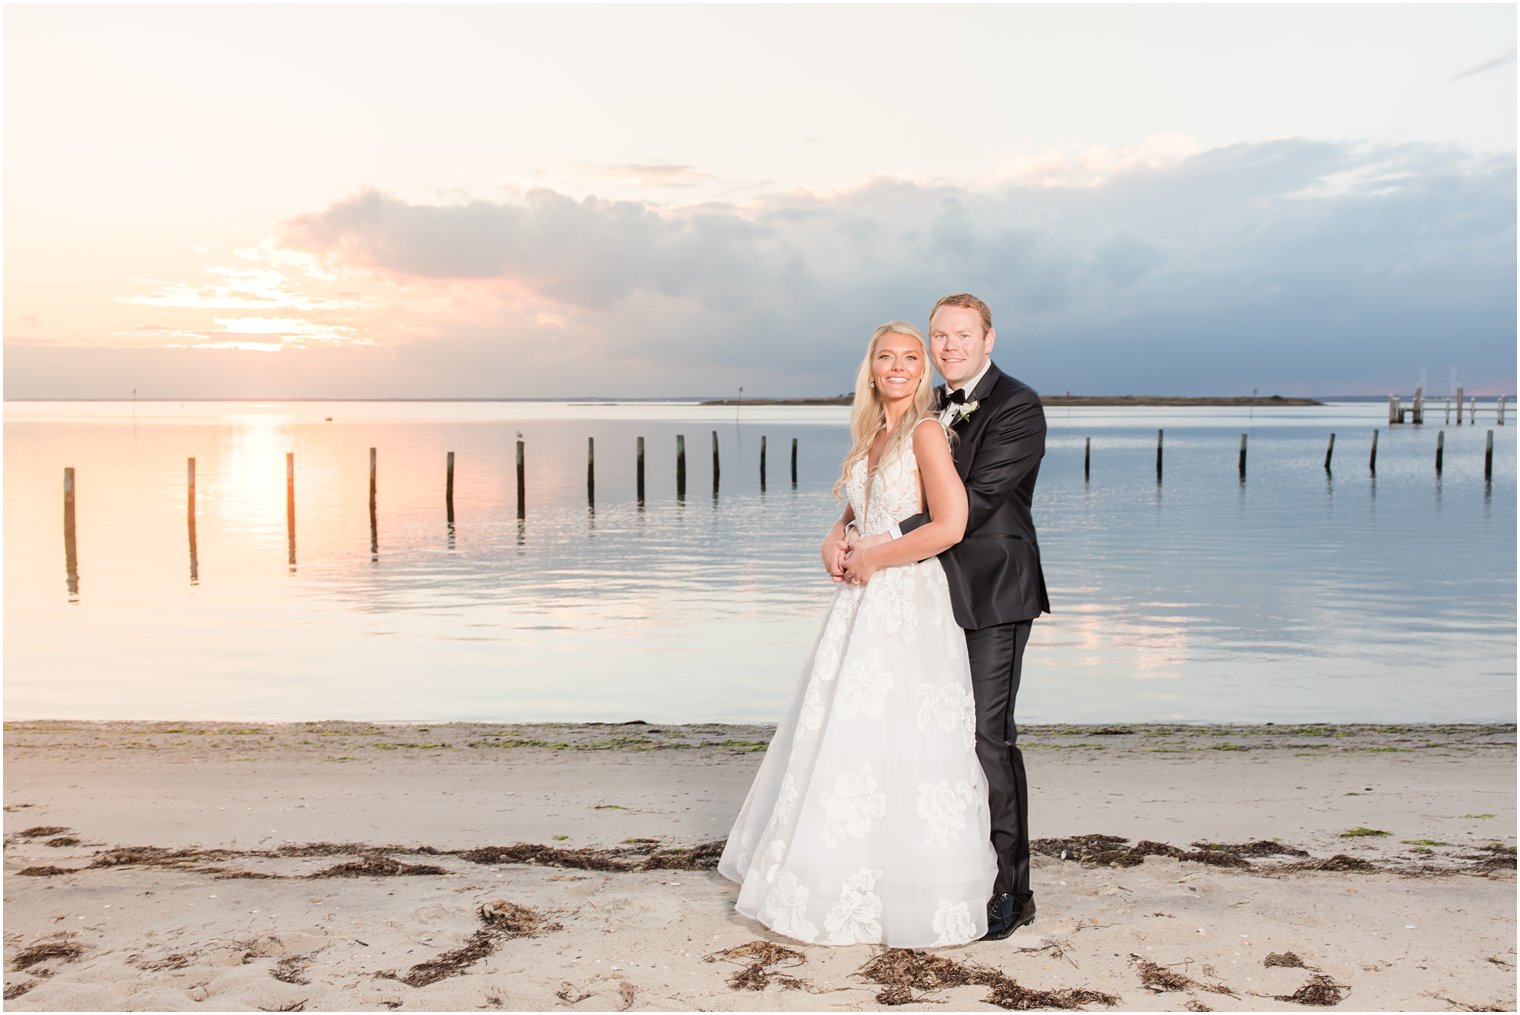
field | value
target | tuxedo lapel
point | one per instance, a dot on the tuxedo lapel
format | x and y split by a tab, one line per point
982	390
988	382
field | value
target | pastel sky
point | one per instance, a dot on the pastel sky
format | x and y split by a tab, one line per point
629	201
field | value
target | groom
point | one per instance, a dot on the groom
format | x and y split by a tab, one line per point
996	585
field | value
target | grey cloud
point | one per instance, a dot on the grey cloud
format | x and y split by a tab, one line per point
1233	269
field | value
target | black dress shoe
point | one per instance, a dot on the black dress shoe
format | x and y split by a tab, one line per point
1005	915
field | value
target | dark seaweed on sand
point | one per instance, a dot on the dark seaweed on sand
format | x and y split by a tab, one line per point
378	865
45	951
1287	959
1320	991
15	990
503	921
761	957
1340	862
641	856
1159	979
901	971
1114	850
1261	847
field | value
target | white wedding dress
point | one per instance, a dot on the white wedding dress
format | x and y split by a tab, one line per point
867	822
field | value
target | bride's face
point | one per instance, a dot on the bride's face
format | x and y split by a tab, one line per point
897	365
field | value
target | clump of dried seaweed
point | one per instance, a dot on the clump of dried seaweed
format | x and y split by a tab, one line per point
639	856
1260	847
1340	863
56	947
1288	960
1159	979
175	960
290	969
502	921
378	865
901	971
761	958
1115	851
1320	991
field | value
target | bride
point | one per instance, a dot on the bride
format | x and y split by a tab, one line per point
867	822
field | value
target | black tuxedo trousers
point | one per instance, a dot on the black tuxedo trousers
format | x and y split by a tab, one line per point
997	659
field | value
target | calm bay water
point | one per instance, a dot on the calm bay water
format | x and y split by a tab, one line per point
1293	597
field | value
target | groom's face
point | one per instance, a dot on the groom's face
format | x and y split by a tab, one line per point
958	344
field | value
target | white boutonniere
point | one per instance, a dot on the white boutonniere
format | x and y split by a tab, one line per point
964	412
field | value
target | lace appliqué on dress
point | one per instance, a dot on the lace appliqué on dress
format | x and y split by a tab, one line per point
856	917
948	709
863	688
853	806
785	908
953	923
944	807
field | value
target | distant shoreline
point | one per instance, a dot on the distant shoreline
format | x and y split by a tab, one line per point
1059	400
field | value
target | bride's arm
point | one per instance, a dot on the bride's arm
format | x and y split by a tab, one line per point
945	498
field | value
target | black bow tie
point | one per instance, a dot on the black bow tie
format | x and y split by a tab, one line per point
958	396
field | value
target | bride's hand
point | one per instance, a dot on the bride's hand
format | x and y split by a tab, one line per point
858	563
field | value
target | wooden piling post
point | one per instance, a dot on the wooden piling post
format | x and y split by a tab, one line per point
1488	457
522	486
1440	450
1501	410
1448	410
590	471
70	544
639	470
680	466
762	463
1460	397
715	462
1372	459
1472	411
190	519
290	504
1393	409
1329	451
374	523
1158	455
448	487
1242	456
794	463
1087	461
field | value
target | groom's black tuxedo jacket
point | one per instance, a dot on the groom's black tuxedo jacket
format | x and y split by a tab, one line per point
994	571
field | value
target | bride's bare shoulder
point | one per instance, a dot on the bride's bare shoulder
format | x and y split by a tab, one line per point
929	438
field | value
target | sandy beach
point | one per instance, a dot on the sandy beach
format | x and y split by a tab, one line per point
351	866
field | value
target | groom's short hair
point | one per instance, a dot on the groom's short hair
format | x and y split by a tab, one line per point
964	300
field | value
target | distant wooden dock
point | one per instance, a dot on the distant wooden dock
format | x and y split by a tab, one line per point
1413	411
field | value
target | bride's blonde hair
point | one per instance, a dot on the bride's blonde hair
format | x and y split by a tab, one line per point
868	415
